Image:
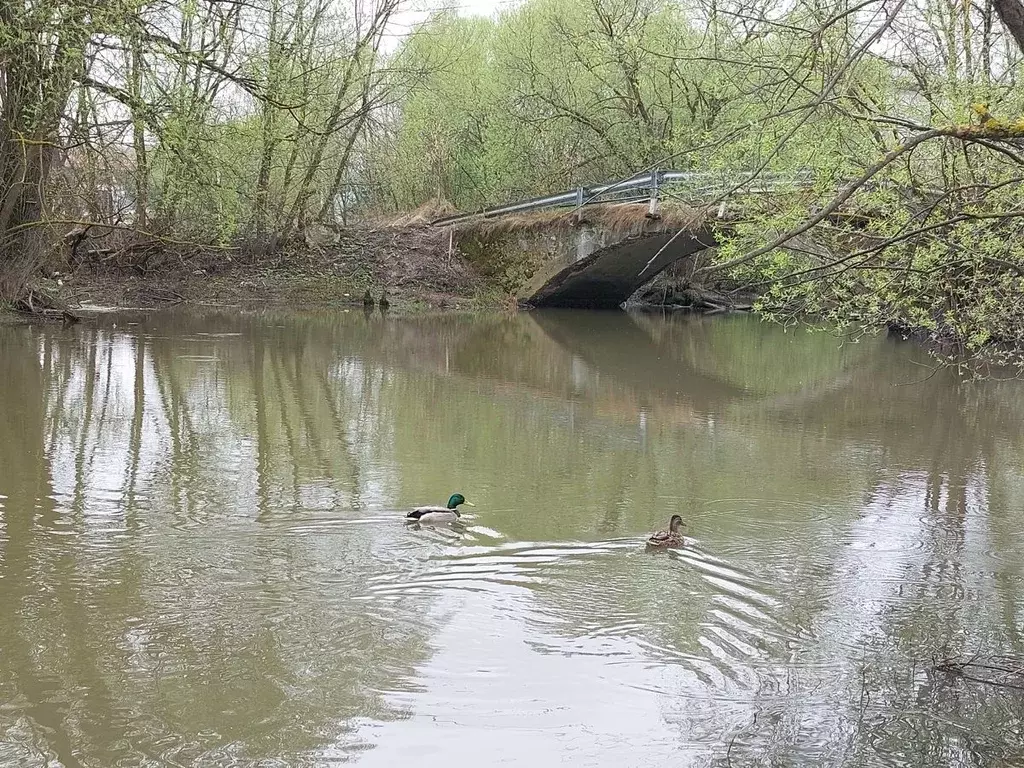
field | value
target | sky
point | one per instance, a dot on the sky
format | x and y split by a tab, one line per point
417	10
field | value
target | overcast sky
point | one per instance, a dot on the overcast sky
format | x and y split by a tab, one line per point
417	10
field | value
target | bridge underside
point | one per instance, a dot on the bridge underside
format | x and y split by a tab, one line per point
610	275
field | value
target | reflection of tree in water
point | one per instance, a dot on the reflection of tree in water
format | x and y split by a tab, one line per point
128	581
929	448
749	355
923	575
24	507
178	463
894	592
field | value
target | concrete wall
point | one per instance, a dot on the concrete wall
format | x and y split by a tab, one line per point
585	265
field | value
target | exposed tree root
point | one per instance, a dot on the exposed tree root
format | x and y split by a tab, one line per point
38	303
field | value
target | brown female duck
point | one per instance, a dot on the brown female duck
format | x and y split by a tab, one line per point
673	537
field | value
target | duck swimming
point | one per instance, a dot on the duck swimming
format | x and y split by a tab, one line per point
446	514
673	537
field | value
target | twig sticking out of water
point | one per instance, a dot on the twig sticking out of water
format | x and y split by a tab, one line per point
1009	673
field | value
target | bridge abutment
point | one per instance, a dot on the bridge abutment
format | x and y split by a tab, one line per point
597	263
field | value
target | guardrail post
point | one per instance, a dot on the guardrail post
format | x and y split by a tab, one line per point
652	206
579	204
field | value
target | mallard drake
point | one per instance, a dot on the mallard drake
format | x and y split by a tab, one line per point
446	514
673	537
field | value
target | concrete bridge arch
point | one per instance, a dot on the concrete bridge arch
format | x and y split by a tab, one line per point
609	275
615	238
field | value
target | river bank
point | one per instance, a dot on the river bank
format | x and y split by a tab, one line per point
415	266
411	266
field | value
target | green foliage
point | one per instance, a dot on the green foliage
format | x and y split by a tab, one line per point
555	93
558	93
947	265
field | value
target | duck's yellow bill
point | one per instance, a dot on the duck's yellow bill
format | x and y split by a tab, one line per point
469	503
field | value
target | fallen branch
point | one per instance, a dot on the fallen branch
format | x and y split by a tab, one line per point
963	668
40	304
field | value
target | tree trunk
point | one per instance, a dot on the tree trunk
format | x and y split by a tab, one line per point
270	138
24	240
37	72
1011	13
139	140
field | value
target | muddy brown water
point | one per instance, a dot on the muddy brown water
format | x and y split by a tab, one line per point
203	561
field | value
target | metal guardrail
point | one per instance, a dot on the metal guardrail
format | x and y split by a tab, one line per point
650	183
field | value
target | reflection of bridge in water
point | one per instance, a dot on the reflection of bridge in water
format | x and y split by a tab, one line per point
625	363
618	237
688	368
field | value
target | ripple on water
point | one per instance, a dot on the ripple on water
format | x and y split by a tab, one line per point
609	599
328	525
481	568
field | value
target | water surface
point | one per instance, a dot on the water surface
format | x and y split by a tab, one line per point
202	559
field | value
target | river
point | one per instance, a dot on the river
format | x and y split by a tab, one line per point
203	560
